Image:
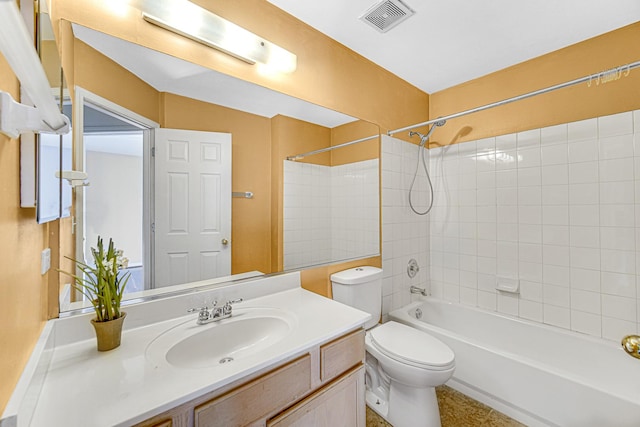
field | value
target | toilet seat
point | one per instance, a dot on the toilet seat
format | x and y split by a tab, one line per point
412	346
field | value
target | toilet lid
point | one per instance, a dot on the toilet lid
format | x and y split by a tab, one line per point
404	343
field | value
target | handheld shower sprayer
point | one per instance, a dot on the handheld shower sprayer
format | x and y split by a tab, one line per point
421	150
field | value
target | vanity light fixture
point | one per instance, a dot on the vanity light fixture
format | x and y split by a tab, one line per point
191	21
17	48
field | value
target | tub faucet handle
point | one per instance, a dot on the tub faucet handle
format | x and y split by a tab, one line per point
631	344
417	290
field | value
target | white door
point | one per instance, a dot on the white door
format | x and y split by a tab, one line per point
192	206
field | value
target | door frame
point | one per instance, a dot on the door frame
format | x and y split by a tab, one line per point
81	98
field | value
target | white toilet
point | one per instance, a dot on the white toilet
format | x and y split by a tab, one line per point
404	365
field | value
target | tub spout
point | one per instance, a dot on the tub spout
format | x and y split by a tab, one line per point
417	290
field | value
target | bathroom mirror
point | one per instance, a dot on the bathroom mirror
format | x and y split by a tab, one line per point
270	219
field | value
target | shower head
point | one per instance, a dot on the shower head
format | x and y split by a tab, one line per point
423	138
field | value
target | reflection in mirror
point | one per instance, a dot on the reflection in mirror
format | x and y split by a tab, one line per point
331	211
53	153
265	128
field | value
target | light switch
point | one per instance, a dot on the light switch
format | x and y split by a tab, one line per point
45	261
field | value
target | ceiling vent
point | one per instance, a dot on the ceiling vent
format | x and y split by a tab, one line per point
386	14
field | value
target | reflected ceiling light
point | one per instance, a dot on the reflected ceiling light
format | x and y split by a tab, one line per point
189	20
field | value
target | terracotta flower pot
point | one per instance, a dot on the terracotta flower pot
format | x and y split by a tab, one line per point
108	334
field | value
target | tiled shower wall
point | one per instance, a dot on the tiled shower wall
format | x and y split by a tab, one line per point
405	235
330	213
555	208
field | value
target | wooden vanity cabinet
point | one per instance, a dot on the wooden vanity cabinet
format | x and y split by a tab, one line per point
321	388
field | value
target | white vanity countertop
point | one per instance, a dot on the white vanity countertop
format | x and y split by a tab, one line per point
124	386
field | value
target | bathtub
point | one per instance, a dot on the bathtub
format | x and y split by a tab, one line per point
537	374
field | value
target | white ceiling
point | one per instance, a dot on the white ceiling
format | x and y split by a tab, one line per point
448	42
169	74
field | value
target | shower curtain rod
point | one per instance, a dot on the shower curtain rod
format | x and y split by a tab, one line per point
602	77
322	150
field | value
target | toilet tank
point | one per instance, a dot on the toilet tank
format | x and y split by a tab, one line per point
361	288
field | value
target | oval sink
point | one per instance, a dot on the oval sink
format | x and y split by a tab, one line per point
204	346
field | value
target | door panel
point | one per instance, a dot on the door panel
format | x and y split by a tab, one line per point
192	206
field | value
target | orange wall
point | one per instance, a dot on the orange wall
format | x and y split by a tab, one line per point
23	291
251	171
366	150
103	77
565	105
328	74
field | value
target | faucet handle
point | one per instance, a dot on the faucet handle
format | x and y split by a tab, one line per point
227	306
203	312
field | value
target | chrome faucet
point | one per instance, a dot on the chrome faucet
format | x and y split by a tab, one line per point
417	290
215	313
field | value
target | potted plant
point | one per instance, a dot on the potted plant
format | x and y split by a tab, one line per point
103	285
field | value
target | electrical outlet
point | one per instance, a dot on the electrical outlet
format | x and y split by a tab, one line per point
45	261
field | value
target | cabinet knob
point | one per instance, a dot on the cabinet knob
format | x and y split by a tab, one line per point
225	242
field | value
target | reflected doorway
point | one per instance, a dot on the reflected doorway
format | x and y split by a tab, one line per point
113	208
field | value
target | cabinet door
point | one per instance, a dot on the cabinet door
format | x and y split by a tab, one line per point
340	404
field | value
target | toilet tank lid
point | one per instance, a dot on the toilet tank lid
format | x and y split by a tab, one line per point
356	276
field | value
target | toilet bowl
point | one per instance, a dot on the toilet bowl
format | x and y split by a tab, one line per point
403	364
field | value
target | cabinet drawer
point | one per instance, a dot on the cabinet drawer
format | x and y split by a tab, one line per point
338	356
338	404
258	398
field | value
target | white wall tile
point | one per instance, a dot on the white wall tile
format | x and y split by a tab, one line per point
531	291
584	215
587	280
616	329
555	215
584	194
584	129
585	172
586	258
623	285
618	261
554	154
530	233
556	255
583	151
556	316
621	238
555	207
528	177
585	237
528	138
507	304
556	295
616	124
555	174
554	135
619	307
616	147
620	192
487	300
587	323
586	301
555	194
529	156
530	310
555	235
616	170
533	196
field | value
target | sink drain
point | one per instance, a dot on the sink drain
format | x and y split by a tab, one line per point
225	360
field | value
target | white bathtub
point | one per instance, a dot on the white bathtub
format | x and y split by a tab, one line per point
537	374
